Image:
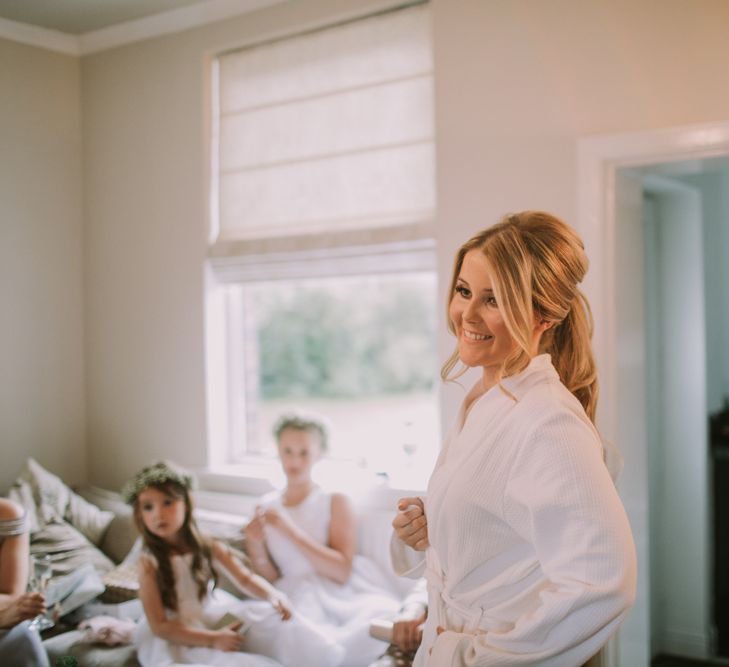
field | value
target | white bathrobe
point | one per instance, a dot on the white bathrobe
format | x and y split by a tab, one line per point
532	559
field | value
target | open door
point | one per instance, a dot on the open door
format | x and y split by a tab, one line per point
661	412
677	418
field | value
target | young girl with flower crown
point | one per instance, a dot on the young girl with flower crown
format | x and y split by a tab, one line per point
185	615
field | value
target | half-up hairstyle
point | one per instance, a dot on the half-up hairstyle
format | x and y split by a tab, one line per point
537	262
199	546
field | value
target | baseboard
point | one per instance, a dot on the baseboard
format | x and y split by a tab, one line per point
689	644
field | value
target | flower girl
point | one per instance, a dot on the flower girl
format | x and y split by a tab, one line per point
187	620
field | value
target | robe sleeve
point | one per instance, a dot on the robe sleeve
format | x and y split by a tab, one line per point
406	561
559	498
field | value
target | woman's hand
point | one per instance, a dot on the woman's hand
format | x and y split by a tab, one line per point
253	532
228	638
281	604
407	631
280	520
22	608
411	524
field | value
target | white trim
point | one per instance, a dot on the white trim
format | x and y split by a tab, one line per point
52	40
164	23
599	158
237	488
216	372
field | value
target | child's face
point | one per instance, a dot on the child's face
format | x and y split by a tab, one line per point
163	514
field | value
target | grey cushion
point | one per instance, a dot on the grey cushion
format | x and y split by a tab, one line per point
47	499
68	548
121	533
119	538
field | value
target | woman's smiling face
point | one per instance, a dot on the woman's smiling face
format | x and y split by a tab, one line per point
483	338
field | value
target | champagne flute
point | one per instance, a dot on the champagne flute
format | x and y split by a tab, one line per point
41	571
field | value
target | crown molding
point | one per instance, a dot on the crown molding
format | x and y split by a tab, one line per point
164	23
52	40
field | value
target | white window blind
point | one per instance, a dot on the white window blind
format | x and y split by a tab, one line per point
327	131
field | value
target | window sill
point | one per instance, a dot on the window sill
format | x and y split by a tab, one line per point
244	483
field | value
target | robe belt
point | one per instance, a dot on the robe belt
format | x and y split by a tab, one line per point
473	616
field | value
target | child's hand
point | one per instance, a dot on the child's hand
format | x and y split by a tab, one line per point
282	605
228	638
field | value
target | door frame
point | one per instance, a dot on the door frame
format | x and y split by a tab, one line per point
599	157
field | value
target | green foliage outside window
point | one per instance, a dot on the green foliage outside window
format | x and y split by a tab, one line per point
364	338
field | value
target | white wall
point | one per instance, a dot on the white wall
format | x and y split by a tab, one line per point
518	82
516	86
42	410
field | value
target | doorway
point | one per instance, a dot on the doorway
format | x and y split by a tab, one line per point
644	198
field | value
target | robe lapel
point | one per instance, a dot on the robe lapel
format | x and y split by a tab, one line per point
469	440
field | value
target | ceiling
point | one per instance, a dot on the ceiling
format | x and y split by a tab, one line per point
76	17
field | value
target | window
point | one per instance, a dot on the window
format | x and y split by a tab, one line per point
322	271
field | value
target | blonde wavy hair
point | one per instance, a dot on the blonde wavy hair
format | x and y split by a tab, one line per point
537	262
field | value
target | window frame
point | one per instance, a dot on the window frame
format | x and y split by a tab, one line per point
406	246
225	326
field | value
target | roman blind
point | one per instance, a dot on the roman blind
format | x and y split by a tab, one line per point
327	131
